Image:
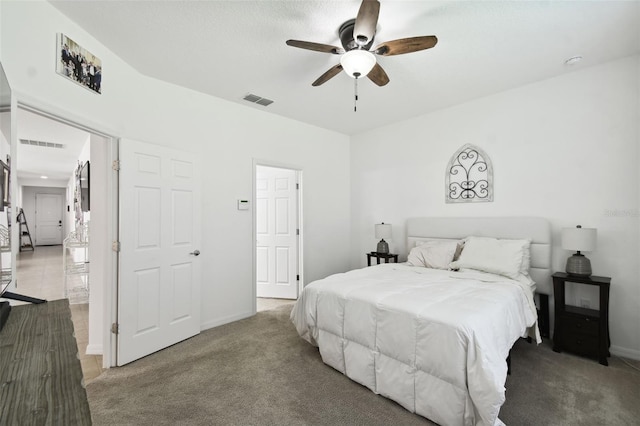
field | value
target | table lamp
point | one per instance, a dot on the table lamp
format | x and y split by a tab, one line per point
383	230
579	239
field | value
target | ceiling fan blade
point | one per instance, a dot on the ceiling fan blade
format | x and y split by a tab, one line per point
333	71
318	47
405	45
378	75
366	22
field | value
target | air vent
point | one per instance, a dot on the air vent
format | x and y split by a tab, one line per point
264	101
41	143
257	99
251	98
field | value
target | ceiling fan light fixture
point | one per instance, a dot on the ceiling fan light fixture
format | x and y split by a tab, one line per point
357	63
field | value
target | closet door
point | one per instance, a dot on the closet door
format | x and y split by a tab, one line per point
276	233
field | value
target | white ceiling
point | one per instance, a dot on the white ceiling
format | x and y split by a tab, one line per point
230	48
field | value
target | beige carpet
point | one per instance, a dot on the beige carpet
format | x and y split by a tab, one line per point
259	372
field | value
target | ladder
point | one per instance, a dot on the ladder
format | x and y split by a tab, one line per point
24	232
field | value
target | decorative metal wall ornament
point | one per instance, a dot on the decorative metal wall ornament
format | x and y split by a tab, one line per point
469	176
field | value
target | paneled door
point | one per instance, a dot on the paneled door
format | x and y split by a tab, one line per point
48	219
277	233
160	271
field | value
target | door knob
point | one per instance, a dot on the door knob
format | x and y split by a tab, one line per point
195	253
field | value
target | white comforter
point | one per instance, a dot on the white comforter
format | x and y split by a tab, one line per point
434	341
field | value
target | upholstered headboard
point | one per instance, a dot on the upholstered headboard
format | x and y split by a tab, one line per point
536	229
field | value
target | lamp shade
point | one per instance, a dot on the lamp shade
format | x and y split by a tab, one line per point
383	230
579	239
358	62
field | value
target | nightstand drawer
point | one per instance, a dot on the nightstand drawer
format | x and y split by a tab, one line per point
579	324
579	343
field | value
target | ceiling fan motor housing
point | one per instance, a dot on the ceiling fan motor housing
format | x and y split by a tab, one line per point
357	36
346	37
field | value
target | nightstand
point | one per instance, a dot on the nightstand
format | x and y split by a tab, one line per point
378	256
582	330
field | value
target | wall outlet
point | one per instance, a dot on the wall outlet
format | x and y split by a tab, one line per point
584	303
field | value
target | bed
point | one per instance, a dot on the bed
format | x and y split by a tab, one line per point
435	340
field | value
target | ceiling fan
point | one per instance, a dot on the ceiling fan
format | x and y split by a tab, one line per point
356	37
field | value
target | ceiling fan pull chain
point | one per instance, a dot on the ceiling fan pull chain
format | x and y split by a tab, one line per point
355	101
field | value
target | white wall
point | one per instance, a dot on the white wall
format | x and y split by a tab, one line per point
565	149
225	135
50	183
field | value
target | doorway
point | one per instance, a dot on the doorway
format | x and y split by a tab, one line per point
46	157
60	178
278	237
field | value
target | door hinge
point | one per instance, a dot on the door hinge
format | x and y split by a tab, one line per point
115	246
115	328
297	277
297	231
297	186
116	165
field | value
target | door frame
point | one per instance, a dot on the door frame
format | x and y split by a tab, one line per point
254	244
110	233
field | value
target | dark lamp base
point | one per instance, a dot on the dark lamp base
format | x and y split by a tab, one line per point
578	265
383	247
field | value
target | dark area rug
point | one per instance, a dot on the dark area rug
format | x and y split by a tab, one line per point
40	373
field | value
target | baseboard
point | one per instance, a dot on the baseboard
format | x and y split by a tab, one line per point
224	320
625	352
94	350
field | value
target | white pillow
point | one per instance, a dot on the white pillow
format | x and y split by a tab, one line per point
459	248
433	254
497	256
526	261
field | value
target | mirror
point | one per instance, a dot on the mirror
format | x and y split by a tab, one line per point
5	195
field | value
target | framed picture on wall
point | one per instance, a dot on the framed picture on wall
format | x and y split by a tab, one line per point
6	179
77	64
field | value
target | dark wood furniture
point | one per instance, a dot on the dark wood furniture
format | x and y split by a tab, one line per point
40	373
543	314
582	330
378	256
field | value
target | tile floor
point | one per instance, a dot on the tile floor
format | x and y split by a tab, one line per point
40	274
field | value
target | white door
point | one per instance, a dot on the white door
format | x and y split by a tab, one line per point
277	233
159	285
48	219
